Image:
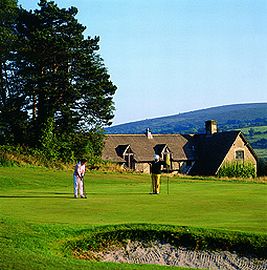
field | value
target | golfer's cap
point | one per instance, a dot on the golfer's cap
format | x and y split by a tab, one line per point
156	157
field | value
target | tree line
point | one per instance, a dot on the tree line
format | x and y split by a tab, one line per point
55	91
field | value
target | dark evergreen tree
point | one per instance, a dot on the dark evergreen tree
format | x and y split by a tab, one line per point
61	74
13	116
7	19
95	88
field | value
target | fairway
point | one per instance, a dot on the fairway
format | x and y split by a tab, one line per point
44	196
39	215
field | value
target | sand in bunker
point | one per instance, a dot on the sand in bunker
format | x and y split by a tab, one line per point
165	254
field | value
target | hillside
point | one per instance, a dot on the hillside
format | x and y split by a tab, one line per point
228	117
250	118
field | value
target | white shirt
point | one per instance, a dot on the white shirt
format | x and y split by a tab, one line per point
79	169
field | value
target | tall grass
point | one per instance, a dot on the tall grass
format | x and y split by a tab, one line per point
19	156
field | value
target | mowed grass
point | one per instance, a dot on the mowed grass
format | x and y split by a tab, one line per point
44	196
38	211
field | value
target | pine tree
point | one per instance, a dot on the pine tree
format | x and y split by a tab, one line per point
13	116
61	74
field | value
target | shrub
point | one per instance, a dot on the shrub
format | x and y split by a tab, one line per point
237	169
55	149
60	159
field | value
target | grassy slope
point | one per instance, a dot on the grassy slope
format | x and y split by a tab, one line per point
255	128
262	153
37	209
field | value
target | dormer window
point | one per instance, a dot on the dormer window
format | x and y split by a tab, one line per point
127	154
239	155
163	151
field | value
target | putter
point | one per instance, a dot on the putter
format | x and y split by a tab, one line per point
168	185
84	192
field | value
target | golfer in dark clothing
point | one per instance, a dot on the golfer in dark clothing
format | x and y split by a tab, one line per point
155	173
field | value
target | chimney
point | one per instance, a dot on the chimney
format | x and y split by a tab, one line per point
149	134
211	127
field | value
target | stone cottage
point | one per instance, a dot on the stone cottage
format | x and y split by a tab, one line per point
193	154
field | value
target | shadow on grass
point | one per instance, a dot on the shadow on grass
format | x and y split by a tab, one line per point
118	193
56	195
60	195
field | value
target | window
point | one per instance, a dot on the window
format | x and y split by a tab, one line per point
129	158
239	155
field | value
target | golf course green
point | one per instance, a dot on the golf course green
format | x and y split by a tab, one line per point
38	212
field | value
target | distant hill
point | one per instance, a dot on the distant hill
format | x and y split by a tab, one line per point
229	117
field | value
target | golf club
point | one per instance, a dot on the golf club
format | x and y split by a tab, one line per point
84	192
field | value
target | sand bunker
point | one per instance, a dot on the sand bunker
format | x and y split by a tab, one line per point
165	254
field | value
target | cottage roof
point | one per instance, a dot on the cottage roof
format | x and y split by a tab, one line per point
144	147
212	149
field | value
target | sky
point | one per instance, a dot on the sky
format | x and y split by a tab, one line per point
172	56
